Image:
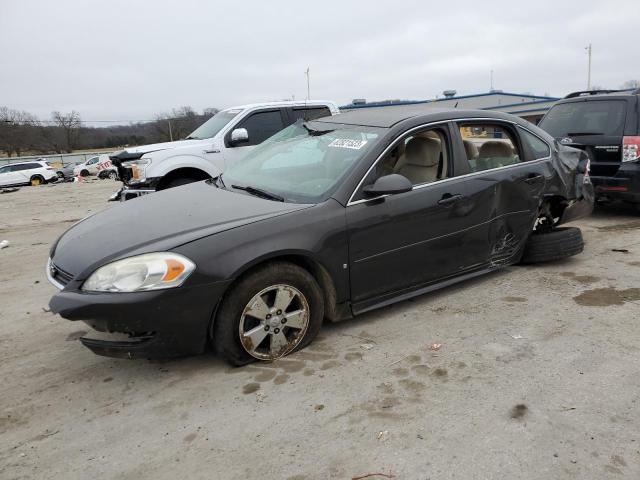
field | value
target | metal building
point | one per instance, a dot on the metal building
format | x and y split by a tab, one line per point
527	106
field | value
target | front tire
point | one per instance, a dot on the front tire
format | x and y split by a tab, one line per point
554	244
269	313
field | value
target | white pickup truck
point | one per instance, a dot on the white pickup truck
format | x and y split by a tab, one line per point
219	142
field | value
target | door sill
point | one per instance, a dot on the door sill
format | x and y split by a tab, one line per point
399	296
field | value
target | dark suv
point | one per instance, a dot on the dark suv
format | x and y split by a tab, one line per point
606	124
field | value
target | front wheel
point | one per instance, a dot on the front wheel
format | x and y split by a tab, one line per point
555	244
268	314
113	175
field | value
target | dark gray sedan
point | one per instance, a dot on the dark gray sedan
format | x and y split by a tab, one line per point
325	220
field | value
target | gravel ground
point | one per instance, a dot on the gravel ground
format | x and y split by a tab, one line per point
536	378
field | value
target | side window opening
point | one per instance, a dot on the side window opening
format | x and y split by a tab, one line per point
422	157
310	113
261	125
539	148
489	146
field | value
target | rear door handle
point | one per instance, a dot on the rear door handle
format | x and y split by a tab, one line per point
448	199
533	178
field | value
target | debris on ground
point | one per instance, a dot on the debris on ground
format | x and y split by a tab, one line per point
519	411
517	337
382	435
620	250
567	409
435	347
4	244
9	190
366	346
369	475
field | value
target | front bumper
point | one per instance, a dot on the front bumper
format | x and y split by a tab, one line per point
135	190
161	323
624	185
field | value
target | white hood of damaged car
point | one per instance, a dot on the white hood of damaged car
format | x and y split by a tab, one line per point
154	147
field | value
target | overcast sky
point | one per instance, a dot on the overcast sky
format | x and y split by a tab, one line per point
127	60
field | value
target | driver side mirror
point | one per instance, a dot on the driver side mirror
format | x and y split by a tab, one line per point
238	136
388	185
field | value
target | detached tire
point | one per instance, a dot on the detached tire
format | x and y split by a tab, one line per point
271	312
556	244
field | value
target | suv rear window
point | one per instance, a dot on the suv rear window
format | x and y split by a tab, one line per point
595	117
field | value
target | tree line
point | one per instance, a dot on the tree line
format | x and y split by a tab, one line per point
22	133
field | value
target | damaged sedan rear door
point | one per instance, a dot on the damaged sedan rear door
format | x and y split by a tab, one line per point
505	182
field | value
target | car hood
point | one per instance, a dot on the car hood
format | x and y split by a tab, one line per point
158	222
154	147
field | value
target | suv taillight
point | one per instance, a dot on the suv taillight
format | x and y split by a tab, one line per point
630	149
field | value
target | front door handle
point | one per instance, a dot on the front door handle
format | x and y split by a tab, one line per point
532	178
448	199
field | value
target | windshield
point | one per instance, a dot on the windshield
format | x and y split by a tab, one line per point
596	117
303	163
212	126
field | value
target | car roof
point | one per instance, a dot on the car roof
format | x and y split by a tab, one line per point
589	95
24	163
387	117
285	103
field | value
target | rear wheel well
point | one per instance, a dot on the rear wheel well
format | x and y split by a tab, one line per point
551	211
188	172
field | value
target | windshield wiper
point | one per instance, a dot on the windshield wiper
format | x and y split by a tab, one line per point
258	192
192	138
583	134
315	133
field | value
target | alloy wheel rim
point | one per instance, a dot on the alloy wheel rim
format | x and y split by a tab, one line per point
35	182
274	322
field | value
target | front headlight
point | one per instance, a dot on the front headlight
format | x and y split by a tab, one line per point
152	271
138	168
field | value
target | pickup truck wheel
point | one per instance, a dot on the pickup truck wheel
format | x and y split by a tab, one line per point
268	314
113	175
555	244
177	182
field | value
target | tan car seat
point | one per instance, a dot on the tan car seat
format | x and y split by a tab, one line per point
471	150
421	159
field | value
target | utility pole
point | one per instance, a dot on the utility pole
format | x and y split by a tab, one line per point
170	134
589	50
306	72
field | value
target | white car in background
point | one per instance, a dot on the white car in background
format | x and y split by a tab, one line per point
33	173
93	166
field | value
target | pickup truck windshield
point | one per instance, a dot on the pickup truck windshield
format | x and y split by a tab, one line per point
595	117
211	127
303	163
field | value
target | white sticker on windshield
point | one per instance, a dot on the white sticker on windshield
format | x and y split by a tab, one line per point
348	143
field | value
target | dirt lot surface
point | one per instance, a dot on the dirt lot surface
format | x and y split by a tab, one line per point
537	378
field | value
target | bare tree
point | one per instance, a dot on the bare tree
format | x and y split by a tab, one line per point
17	131
629	84
70	124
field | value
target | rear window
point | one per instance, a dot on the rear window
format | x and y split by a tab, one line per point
595	117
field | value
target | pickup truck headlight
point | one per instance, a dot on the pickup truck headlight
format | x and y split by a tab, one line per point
138	168
152	271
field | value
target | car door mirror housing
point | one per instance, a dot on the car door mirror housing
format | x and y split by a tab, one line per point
388	185
239	136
